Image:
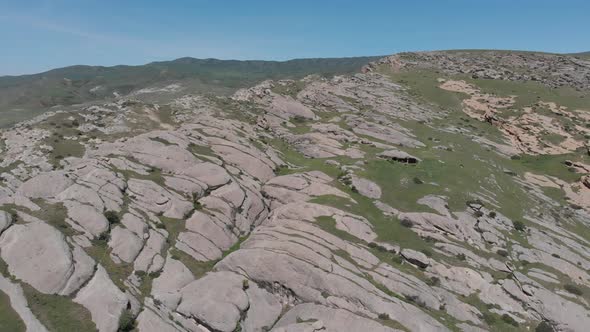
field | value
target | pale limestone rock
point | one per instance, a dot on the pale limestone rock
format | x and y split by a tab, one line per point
153	246
84	267
49	261
46	185
217	300
263	311
173	278
125	244
366	187
135	224
208	173
104	300
82	194
313	317
5	220
250	164
415	257
399	156
212	229
149	195
149	321
197	246
91	220
287	107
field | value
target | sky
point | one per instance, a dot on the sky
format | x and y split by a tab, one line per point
38	35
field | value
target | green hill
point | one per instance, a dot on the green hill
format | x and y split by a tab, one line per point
24	96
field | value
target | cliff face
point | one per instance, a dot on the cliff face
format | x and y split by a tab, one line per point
432	191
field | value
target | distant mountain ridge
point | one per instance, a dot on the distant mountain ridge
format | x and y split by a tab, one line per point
581	54
79	84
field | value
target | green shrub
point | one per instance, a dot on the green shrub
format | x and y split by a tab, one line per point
298	119
489	318
433	281
502	252
384	316
197	205
461	257
407	223
417	180
509	320
126	321
397	259
112	217
573	289
426	252
519	226
544	326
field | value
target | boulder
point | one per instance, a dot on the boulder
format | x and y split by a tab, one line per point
366	187
313	317
104	300
166	288
217	300
49	260
5	220
125	244
415	257
398	156
46	185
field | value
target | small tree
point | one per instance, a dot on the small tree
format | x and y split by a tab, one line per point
509	320
519	226
407	223
383	316
544	326
126	321
502	252
112	217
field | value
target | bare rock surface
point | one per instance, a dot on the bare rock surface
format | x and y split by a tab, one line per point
310	317
104	300
51	264
216	300
429	192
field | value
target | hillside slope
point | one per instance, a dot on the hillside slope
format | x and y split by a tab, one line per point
438	191
22	97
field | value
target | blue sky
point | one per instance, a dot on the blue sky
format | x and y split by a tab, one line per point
40	35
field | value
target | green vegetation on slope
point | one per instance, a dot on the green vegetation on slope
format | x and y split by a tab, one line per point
58	313
9	319
24	96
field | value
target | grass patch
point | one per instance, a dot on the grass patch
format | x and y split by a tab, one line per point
387	229
9	319
58	313
197	268
328	224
